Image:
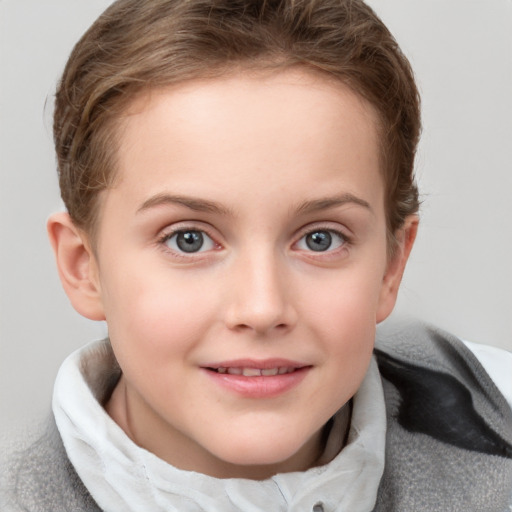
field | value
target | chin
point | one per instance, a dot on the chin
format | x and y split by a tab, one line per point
272	455
259	457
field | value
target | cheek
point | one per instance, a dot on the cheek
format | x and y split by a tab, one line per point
348	297
351	338
345	321
155	313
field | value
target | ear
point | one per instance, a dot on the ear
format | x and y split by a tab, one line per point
77	266
405	237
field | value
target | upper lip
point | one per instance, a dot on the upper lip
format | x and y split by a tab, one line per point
261	364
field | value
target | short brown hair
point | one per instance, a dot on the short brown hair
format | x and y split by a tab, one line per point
135	45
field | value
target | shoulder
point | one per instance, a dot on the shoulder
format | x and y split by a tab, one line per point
431	365
449	435
38	476
426	347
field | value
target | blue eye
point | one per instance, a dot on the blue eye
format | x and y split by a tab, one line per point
189	241
321	240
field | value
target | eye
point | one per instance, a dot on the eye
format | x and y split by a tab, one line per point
321	240
189	241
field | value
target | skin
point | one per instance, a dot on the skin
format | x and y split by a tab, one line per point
256	163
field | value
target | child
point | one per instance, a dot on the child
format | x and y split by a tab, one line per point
238	178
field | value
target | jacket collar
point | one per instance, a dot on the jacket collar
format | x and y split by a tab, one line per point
122	476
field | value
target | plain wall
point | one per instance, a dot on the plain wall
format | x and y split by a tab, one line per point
460	273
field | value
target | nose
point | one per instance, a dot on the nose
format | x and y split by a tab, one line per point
260	296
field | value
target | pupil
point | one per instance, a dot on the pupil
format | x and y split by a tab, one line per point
190	241
319	241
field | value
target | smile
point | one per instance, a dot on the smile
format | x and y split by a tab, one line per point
254	372
257	379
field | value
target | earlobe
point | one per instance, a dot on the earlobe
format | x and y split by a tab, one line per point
76	265
405	237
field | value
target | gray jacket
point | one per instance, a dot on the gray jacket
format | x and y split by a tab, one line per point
448	443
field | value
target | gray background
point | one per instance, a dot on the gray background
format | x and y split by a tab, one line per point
460	274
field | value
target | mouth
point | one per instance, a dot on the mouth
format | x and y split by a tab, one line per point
254	372
258	379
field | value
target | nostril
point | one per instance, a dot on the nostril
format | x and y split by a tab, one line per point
260	325
318	507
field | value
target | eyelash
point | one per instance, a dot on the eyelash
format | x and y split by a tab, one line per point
346	241
163	240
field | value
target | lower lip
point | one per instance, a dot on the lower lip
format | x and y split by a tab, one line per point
260	386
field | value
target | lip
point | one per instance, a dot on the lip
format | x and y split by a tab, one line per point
260	386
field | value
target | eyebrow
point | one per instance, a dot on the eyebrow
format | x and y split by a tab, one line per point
332	202
195	204
203	205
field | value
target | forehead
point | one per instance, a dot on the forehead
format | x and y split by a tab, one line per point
247	128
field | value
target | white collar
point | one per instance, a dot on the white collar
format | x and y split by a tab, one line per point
122	476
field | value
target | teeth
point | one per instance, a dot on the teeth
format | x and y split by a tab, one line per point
256	372
251	372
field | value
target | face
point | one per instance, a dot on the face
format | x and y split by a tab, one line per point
241	266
